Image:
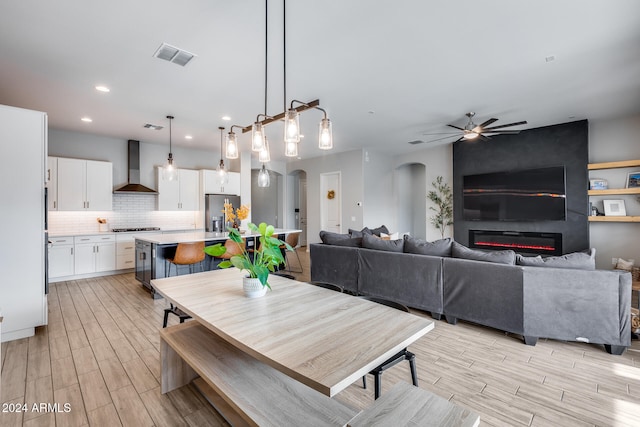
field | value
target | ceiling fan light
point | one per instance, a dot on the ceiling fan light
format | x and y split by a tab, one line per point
232	146
325	135
263	177
265	155
470	135
292	126
257	137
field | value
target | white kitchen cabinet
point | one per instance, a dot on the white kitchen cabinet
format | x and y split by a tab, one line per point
180	195
61	257
125	251
84	185
211	185
94	254
52	183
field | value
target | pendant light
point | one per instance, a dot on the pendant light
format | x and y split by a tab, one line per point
291	126
231	145
169	171
263	177
265	155
221	172
325	134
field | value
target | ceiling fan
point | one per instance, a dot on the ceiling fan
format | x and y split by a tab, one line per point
472	131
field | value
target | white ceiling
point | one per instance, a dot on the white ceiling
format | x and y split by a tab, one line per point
386	71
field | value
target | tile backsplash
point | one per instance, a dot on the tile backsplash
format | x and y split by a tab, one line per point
129	210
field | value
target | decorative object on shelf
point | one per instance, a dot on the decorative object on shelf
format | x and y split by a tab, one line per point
442	198
633	180
331	194
623	264
614	208
170	171
291	115
598	184
102	224
264	260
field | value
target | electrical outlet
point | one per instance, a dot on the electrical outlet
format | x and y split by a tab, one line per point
353	219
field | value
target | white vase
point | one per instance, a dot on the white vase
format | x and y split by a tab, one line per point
253	288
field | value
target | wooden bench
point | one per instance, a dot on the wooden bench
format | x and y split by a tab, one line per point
406	405
244	390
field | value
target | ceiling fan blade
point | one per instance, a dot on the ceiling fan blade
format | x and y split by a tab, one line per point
440	139
501	132
483	137
485	124
442	133
460	139
506	126
456	127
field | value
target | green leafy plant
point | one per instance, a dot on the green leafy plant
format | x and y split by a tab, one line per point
442	198
260	262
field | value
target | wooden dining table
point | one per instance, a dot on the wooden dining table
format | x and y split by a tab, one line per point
321	338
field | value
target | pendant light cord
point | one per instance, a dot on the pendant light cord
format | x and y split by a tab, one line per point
266	48
284	51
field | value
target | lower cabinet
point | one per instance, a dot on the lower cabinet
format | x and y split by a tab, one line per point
61	257
94	254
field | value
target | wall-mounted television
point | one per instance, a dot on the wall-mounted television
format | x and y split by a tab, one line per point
517	195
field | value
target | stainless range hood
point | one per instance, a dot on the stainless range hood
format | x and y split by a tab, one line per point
134	186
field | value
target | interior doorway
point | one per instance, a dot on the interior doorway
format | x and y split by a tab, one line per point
331	202
265	200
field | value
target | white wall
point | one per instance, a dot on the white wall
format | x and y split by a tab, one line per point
350	166
613	140
378	207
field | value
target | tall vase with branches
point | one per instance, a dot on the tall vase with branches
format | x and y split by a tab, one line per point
442	197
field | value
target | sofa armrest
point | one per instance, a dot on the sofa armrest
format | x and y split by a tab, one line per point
578	305
334	264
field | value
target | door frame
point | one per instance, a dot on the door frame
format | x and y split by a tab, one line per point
323	198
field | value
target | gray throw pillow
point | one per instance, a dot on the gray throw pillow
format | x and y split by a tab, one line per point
498	257
377	231
338	239
356	233
440	247
579	260
370	241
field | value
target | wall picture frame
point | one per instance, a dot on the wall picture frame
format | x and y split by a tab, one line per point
614	208
633	180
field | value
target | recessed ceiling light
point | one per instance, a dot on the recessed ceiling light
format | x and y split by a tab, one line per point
188	137
103	89
550	58
226	118
86	119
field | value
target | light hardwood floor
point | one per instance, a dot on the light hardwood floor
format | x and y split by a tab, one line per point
100	355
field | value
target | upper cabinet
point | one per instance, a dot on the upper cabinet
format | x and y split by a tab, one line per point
180	195
84	185
52	183
211	185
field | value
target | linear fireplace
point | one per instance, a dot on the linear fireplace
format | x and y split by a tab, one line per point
519	241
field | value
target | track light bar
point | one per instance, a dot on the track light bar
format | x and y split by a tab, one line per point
270	119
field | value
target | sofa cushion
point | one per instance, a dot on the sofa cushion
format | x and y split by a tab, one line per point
377	231
579	260
440	247
370	241
499	257
338	239
356	233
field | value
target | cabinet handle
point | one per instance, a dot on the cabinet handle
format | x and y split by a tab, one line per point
55	205
48	174
72	251
97	248
84	239
87	205
128	247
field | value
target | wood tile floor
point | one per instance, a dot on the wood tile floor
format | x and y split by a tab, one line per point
99	354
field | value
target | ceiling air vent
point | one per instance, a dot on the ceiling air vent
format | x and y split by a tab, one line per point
150	126
174	54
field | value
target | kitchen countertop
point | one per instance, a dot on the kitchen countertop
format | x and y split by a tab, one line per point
100	233
169	239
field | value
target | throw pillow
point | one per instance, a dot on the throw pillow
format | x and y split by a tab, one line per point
499	257
355	233
370	241
377	231
440	247
392	236
338	239
579	260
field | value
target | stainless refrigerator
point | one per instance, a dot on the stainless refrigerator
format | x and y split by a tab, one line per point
214	211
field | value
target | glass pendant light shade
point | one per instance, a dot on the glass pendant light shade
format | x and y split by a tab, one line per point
292	126
170	171
257	137
291	149
263	177
221	171
232	146
325	135
265	155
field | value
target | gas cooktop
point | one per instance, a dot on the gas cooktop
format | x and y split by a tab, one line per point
121	230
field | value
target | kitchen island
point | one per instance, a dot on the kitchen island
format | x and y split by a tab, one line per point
153	249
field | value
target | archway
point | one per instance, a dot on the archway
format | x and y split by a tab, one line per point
266	202
297	215
410	188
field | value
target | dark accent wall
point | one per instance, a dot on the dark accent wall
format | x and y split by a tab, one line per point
565	144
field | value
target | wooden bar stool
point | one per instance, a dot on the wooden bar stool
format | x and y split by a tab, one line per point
186	254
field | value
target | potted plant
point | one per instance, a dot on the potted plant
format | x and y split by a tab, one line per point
442	198
262	261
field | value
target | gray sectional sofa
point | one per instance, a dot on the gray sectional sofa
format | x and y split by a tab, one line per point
561	298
